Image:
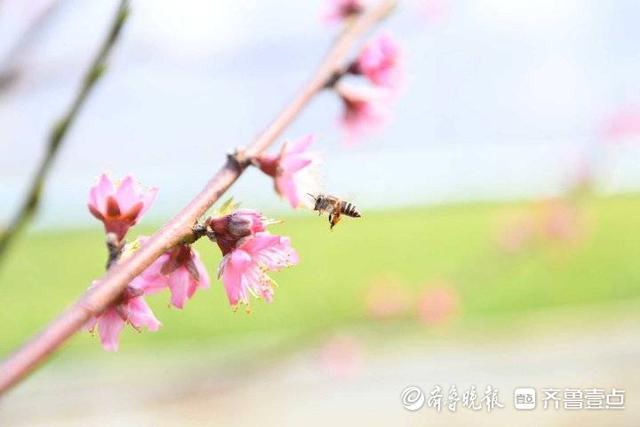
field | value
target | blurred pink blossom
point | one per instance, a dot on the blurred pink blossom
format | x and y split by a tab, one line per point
623	123
243	269
341	356
549	220
386	298
517	234
435	11
119	205
438	304
294	171
559	220
381	62
179	269
339	10
366	110
130	308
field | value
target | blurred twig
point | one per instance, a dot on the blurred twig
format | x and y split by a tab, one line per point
9	70
180	227
57	134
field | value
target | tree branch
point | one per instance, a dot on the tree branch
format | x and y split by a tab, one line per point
57	134
93	301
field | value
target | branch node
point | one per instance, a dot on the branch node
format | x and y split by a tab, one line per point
239	158
114	247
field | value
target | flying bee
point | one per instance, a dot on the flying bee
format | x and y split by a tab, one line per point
336	207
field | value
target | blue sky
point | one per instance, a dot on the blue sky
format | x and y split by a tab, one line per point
505	99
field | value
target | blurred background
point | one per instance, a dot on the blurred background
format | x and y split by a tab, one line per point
498	244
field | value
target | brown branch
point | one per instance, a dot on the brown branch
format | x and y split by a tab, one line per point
93	301
32	199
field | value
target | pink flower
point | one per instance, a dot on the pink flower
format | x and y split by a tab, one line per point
181	270
243	269
365	111
381	62
622	124
293	170
560	220
438	304
119	206
341	356
517	234
386	298
230	229
130	308
339	10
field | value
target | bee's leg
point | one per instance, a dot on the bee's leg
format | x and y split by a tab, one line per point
335	218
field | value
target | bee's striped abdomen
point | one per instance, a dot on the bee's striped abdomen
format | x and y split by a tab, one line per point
349	209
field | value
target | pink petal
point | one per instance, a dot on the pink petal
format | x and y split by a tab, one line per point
381	62
286	187
147	200
127	194
237	263
180	282
156	267
110	325
302	145
151	284
260	242
240	259
204	281
293	164
274	252
139	314
99	193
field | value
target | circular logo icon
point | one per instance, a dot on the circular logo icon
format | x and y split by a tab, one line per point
412	398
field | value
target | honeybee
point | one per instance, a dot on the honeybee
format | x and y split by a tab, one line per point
335	207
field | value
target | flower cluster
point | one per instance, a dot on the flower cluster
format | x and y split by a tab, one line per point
381	62
249	251
368	108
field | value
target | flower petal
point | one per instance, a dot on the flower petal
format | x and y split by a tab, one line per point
127	193
139	314
110	325
232	276
98	193
180	283
286	187
302	145
204	281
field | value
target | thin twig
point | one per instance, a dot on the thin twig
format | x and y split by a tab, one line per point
111	285
9	69
32	199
